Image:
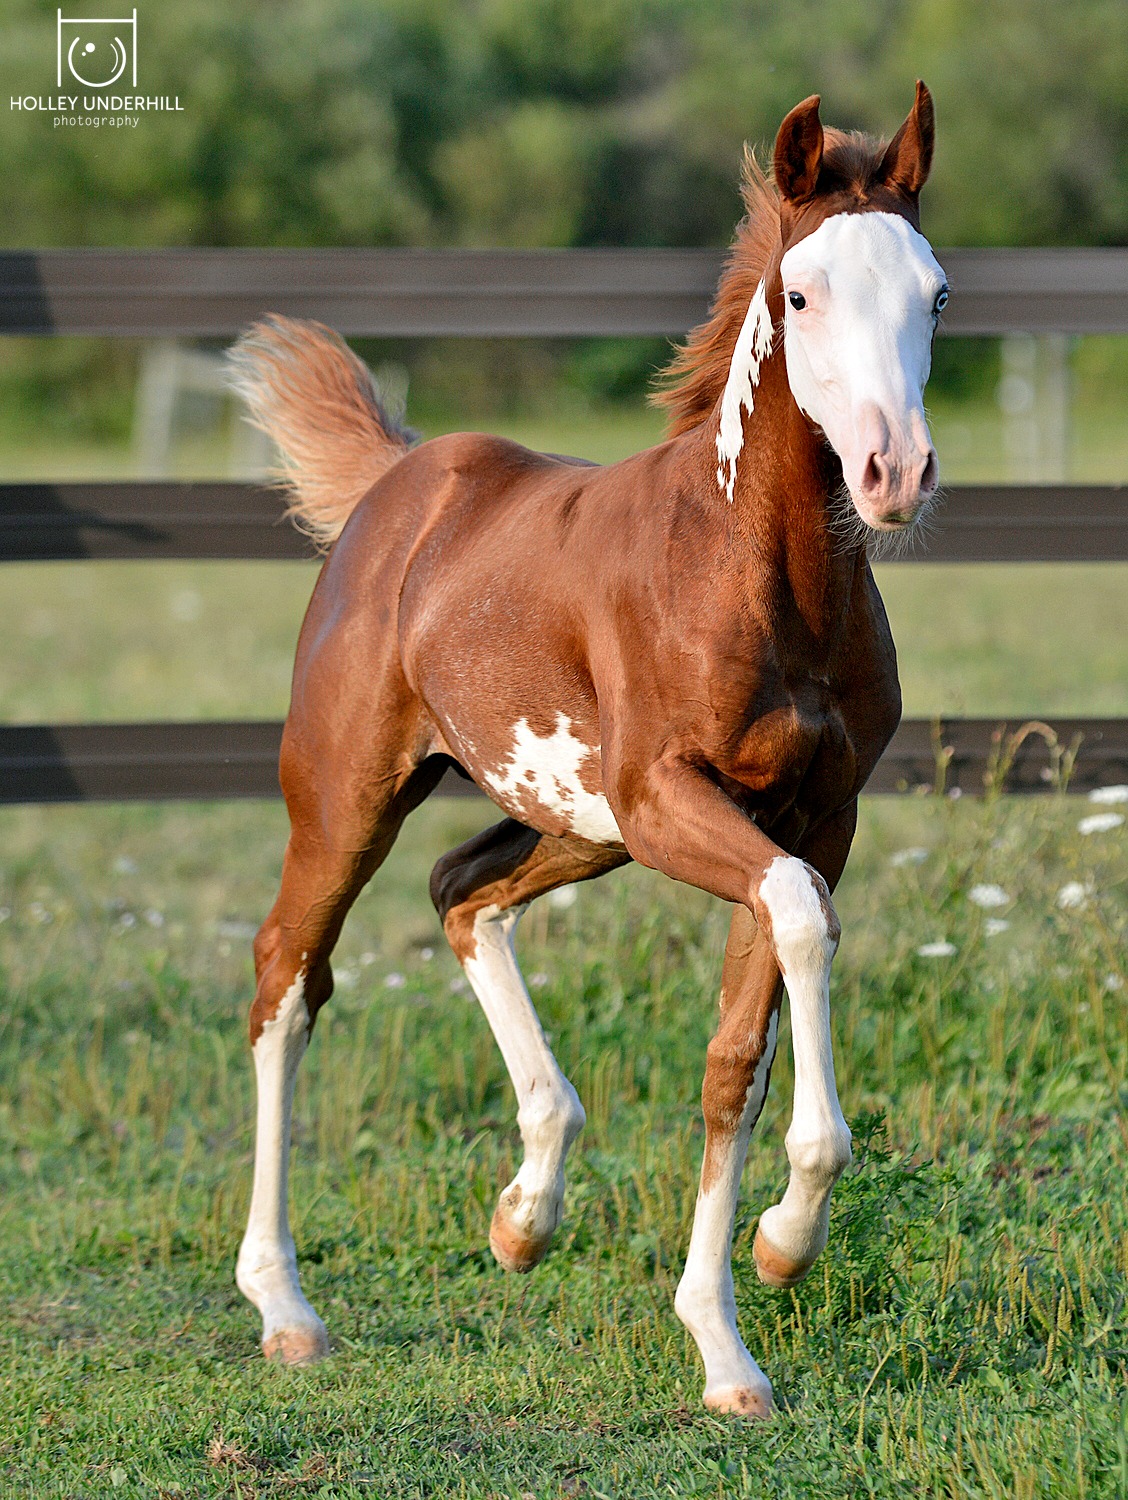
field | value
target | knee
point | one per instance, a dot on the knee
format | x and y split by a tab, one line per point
793	906
290	993
820	1158
551	1118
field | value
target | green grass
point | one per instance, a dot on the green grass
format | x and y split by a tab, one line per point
965	1333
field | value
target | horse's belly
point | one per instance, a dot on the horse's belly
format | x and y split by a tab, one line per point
547	775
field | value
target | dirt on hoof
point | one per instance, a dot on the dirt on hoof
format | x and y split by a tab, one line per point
511	1250
297	1346
773	1267
741	1401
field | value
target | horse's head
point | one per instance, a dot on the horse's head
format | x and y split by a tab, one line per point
862	293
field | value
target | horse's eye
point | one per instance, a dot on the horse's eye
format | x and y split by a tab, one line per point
941	302
797	300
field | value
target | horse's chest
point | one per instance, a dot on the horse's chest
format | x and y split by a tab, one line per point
801	752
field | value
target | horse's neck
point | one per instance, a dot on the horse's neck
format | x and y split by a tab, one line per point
781	481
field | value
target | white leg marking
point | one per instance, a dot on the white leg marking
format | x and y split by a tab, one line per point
267	1270
818	1139
549	1112
705	1300
753	345
546	773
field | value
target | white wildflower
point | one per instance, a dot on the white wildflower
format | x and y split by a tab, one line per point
942	949
1107	795
1075	894
988	896
538	980
1113	984
458	985
394	981
1100	823
562	897
367	960
154	917
908	857
426	954
994	925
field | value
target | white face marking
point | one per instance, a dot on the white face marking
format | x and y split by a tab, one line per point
753	346
547	772
860	350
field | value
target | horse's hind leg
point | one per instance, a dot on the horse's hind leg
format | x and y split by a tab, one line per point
338	838
480	890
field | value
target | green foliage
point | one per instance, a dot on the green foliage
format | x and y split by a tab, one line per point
573	122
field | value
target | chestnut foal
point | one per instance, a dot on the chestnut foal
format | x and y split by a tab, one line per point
680	659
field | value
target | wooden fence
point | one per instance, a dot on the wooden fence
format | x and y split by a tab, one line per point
503	294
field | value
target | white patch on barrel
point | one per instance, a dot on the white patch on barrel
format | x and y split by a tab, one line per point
753	345
547	771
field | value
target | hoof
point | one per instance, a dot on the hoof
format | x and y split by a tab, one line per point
773	1267
512	1250
741	1401
297	1346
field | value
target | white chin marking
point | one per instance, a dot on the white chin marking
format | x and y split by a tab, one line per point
753	346
545	772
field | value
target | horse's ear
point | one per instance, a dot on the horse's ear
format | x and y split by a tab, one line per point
908	155
798	152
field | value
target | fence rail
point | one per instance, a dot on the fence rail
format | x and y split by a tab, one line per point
409	293
222	520
496	293
208	760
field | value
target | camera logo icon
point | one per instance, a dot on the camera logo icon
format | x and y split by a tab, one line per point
96	51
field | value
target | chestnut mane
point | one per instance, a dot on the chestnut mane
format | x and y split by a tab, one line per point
690	385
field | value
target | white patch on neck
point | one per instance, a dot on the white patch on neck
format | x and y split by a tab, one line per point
547	773
753	346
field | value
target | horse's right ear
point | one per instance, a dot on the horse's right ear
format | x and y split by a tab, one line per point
798	152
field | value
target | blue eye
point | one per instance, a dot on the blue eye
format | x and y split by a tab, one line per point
941	302
797	300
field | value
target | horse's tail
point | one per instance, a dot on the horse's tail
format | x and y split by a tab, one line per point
307	390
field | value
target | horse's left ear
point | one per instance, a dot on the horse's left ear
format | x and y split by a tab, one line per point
908	155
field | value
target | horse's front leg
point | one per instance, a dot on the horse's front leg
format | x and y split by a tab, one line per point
736	1085
681	822
793	1233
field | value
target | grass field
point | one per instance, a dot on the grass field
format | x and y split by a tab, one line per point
966	1333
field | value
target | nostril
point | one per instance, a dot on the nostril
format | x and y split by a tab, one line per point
875	475
930	476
